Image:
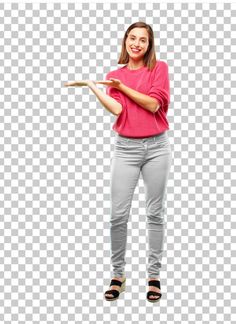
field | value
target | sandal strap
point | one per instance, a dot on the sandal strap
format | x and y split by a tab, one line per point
155	283
114	292
153	293
115	282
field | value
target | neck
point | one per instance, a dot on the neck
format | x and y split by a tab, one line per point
134	66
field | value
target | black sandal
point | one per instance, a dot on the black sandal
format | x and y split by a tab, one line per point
157	284
115	292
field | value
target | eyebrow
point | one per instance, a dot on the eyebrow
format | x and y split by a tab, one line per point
140	37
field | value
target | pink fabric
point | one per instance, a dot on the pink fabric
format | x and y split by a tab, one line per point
134	120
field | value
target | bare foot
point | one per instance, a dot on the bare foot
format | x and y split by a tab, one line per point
153	288
121	279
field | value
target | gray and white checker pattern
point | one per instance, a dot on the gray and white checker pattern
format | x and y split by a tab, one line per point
55	150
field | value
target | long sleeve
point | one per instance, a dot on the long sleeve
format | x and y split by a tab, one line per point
133	121
160	88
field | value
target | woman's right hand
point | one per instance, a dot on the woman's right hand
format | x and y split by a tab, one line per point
77	83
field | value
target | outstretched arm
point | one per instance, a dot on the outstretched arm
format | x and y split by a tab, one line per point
108	102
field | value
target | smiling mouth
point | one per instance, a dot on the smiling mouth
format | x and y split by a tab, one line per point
135	51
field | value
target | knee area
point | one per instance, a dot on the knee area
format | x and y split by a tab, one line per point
118	220
156	220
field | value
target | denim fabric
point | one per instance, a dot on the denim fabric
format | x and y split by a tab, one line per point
152	156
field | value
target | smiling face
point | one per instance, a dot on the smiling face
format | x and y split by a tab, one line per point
137	39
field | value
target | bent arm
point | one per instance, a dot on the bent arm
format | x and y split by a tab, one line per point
108	102
141	99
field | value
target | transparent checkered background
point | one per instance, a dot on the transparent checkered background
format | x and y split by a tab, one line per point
55	150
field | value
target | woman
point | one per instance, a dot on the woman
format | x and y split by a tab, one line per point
138	94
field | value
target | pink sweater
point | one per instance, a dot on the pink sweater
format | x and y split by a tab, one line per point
134	120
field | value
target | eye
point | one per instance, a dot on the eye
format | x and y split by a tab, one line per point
132	38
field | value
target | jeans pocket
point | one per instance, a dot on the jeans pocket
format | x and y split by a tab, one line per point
121	142
165	143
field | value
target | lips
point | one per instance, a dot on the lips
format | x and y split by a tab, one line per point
135	51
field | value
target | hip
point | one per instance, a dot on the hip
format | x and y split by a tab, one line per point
157	139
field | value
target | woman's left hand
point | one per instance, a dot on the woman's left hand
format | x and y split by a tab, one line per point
115	83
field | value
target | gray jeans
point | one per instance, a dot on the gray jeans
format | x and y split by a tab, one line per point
152	156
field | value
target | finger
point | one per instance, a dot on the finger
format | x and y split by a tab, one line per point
78	84
104	82
115	80
81	83
70	83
